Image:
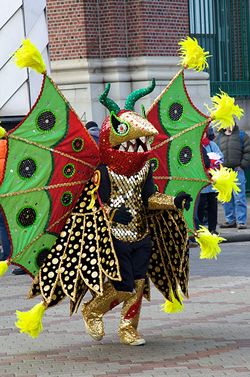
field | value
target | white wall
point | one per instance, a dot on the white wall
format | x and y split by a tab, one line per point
20	19
82	81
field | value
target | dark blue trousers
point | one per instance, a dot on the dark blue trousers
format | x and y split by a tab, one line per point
133	259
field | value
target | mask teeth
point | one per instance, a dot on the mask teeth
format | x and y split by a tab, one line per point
133	141
143	139
121	148
140	149
148	145
130	149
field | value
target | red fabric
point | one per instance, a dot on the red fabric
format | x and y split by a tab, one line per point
205	141
161	153
3	151
114	304
133	310
89	154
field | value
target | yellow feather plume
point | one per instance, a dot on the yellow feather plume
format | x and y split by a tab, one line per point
208	243
174	306
29	56
192	55
224	110
3	132
31	322
224	181
3	267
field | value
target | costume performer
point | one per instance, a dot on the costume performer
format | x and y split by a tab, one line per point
120	222
120	232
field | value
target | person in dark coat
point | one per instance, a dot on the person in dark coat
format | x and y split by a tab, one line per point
94	130
235	146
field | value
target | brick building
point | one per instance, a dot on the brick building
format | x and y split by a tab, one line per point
124	42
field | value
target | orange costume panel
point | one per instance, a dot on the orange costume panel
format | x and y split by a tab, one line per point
3	151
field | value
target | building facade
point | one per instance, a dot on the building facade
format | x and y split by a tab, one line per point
124	42
20	19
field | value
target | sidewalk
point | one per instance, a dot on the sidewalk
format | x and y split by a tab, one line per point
209	338
233	234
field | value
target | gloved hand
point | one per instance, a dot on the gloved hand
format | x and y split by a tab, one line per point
122	216
179	199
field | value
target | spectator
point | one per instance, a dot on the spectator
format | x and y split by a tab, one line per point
235	146
94	130
208	194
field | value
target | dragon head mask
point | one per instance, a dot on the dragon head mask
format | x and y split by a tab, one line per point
125	136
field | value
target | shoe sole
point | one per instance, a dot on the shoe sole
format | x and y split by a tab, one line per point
137	342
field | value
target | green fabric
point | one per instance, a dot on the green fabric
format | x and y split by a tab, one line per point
39	201
169	155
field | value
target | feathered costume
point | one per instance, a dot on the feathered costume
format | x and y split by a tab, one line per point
84	253
72	243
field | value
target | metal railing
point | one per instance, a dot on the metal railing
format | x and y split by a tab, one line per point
222	27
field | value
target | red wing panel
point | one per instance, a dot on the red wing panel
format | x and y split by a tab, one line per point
78	166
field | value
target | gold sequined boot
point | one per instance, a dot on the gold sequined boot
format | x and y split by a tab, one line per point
94	309
130	317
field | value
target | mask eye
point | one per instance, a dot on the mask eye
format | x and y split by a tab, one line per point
120	129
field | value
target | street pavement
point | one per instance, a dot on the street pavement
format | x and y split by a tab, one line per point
234	234
210	337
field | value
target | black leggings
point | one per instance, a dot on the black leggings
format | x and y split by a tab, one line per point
133	259
211	198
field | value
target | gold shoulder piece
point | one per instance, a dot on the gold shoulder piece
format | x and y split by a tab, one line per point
159	201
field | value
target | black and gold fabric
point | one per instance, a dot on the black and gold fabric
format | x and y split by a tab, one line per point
127	191
83	256
169	263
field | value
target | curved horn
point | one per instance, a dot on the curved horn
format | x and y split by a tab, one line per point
108	103
134	96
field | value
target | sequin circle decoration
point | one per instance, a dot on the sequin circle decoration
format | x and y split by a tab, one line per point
175	111
41	256
154	162
66	198
69	170
77	144
185	155
26	217
46	121
26	168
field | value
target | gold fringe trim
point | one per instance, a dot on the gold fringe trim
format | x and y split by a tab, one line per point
52	150
181	133
46	188
164	91
183	179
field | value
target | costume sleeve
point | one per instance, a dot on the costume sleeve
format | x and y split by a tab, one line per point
159	201
149	187
153	199
105	186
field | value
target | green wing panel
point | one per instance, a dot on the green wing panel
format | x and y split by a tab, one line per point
26	217
32	258
27	166
176	151
47	123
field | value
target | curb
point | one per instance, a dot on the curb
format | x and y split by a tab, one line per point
235	237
